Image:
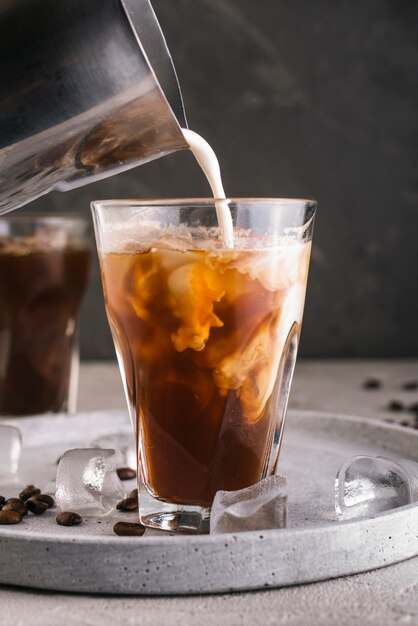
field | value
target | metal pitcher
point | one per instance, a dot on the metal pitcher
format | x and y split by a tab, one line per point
87	89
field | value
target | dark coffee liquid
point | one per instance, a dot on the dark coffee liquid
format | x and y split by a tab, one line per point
40	295
200	335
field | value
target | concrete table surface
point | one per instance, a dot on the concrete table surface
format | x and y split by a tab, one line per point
386	596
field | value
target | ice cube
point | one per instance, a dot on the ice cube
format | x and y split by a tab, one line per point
10	449
124	446
87	481
259	507
368	485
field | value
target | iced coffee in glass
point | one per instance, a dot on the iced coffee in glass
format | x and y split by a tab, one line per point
206	338
44	270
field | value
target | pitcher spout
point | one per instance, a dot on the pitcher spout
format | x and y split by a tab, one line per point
86	90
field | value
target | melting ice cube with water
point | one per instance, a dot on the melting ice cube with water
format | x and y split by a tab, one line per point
259	507
87	481
367	485
10	449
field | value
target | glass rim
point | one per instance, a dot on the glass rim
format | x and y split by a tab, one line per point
45	217
176	202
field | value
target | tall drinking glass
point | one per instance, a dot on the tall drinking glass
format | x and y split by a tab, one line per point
44	269
206	338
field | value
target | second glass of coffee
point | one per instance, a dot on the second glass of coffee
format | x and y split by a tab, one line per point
44	268
206	337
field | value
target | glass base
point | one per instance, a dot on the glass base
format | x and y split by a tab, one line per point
178	518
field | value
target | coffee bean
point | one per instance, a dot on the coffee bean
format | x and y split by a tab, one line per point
128	529
372	383
405	423
413	408
410	385
28	492
15	504
2	501
126	473
68	518
9	517
36	506
49	500
134	494
129	504
395	405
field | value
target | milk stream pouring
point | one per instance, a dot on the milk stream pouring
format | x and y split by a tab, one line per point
208	161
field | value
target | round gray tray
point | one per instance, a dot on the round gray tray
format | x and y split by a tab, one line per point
91	559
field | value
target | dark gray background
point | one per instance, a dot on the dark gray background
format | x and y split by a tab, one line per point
301	98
